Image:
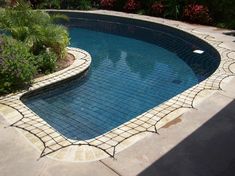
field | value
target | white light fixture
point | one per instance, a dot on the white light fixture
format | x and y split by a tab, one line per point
198	51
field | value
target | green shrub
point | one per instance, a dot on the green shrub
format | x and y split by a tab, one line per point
2	3
69	4
85	5
51	37
119	4
36	28
17	66
46	62
45	4
35	44
227	24
222	11
173	8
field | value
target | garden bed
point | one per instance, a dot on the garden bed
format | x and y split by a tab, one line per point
61	64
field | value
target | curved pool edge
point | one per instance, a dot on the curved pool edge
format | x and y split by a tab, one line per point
115	140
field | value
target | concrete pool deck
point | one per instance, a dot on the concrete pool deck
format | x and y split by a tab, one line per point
202	143
181	148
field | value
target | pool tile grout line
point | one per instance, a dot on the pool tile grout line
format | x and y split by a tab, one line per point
54	145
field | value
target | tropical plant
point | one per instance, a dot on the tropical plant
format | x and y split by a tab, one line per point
34	43
17	65
35	28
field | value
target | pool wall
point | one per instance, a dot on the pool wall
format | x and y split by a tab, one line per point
148	32
52	144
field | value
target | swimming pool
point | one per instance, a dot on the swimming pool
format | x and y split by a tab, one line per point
135	67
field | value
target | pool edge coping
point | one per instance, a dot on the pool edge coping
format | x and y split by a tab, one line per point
66	154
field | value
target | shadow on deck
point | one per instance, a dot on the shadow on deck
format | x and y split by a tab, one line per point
209	151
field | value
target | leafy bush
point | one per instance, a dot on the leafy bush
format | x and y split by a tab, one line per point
173	8
85	4
46	62
197	13
95	3
34	43
51	37
2	3
76	4
157	9
107	4
17	66
55	4
222	11
147	3
132	6
35	28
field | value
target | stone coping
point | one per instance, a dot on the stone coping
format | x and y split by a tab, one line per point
52	144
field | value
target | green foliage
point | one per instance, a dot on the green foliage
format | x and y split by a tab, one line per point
173	8
72	4
45	4
34	43
2	3
77	4
51	37
17	66
227	24
222	11
119	4
85	4
35	28
63	4
46	62
146	4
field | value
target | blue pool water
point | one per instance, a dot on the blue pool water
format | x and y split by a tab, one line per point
127	77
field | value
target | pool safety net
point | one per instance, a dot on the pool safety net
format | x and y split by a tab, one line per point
53	141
